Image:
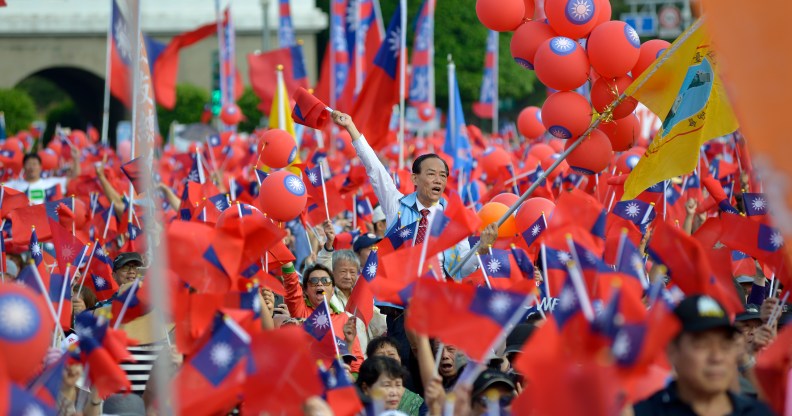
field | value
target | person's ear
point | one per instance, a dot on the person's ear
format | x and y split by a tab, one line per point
414	178
364	388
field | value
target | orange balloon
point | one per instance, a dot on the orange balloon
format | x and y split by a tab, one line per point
561	64
529	123
592	155
282	195
527	39
622	133
278	148
531	209
566	114
605	90
500	15
491	212
613	48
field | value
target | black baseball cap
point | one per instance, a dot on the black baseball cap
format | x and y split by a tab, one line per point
491	377
700	313
363	241
751	312
125	258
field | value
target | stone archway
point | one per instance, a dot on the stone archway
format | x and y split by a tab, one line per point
86	89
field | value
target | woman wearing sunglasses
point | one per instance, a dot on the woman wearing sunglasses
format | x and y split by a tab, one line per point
317	285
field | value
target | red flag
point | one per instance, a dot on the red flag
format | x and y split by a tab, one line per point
309	110
67	247
190	252
773	369
361	301
12	199
282	352
167	66
263	79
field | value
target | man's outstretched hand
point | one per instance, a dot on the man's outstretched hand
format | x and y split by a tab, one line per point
345	121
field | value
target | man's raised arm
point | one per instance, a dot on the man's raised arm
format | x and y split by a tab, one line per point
381	181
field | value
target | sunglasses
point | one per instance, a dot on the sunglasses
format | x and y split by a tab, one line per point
503	402
316	281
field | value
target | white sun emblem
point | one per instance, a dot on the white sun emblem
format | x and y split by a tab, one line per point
420	85
371	269
500	303
759	204
256	304
221	354
220	205
100	283
564	257
567	300
15	316
295	184
122	40
535	230
33	410
580	10
633	210
313	177
494	266
405	233
776	239
621	345
35	249
320	321
591	258
632	35
394	41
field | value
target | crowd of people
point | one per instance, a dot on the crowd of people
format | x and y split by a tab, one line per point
705	362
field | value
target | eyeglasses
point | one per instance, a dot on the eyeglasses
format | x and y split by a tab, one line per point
503	402
316	281
127	269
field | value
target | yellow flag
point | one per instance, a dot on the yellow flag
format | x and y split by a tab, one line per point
280	116
687	94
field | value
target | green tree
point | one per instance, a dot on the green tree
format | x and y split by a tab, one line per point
190	101
45	93
18	108
67	115
249	103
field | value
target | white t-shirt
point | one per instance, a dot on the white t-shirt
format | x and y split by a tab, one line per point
36	191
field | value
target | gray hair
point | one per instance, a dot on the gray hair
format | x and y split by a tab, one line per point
345	255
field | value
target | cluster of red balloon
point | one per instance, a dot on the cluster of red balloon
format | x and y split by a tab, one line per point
576	43
282	195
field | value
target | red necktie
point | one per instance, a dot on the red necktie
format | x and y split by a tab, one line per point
419	238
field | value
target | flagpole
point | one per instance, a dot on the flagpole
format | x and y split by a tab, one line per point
87	266
425	245
332	330
483	271
130	292
282	103
452	133
324	191
45	292
65	282
332	72
108	74
430	13
495	99
402	78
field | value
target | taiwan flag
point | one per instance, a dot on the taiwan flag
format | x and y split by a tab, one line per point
380	92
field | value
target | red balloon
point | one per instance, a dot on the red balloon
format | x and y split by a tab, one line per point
549	160
247	223
561	64
540	150
527	39
500	15
572	18
506	198
557	144
613	48
49	159
529	9
566	114
78	138
603	11
622	133
605	91
492	160
627	161
282	195
650	51
231	114
25	332
491	212
592	156
531	209
426	112
529	123
278	148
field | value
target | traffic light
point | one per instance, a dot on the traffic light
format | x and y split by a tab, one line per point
217	97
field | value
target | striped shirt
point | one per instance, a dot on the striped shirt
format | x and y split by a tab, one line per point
138	371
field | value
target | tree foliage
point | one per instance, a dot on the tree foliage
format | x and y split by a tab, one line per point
19	109
190	102
248	103
66	114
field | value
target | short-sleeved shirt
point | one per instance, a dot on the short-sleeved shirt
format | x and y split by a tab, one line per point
37	191
666	402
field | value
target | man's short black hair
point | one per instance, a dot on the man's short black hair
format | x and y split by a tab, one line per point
416	167
31	156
